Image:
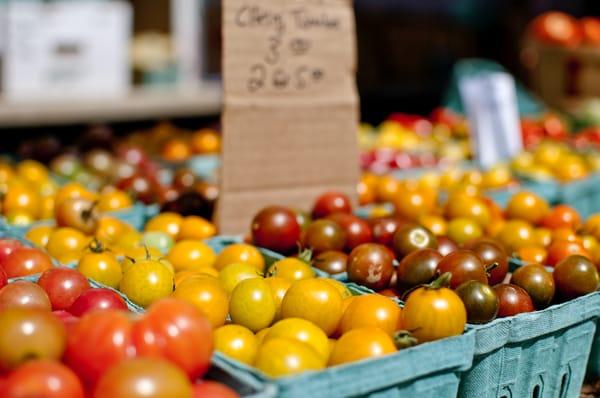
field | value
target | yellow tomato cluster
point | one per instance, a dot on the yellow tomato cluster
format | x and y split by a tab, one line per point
181	228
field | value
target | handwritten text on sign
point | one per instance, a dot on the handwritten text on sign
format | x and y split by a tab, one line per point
287	48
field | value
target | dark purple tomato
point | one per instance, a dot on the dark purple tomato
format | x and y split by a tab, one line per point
331	202
371	265
190	204
491	252
464	265
537	282
276	228
384	228
324	235
410	238
332	261
389	292
446	245
513	300
575	276
480	300
418	267
357	230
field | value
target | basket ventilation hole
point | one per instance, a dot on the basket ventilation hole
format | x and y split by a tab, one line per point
536	392
564	382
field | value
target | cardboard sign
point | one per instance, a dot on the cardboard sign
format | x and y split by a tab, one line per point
67	49
291	108
491	105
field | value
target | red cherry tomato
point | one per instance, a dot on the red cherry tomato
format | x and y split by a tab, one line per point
513	300
357	230
177	331
557	28
26	261
331	202
97	299
562	216
7	246
63	286
43	379
213	389
98	341
3	278
590	27
276	228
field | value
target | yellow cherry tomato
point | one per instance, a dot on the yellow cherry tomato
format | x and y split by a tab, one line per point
194	227
191	255
66	244
169	223
240	253
39	235
236	342
286	357
279	287
146	282
103	267
303	331
114	200
252	304
233	274
292	269
359	344
207	295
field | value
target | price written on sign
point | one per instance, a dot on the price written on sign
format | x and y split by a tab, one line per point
288	36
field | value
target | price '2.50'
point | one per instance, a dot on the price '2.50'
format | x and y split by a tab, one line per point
279	78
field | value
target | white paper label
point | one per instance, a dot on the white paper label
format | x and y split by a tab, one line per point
67	49
490	103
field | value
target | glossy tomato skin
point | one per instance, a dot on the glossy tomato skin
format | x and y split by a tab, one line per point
371	265
7	246
331	202
97	299
323	235
384	228
77	213
26	261
332	261
557	28
480	300
100	340
213	389
418	267
43	379
446	245
411	238
357	230
575	276
27	334
464	265
491	252
433	314
3	278
537	282
176	331
560	250
513	300
276	228
24	294
63	286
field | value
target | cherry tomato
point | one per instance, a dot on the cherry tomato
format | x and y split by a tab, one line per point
412	203
7	246
331	202
371	310
527	206
26	261
24	294
26	334
97	299
490	252
63	286
590	27
464	265
557	28
513	300
114	200
205	141
384	229
446	245
371	265
411	238
480	300
22	199
575	276
362	343
79	213
178	332
560	250
144	378
357	230
276	228
537	282
332	261
324	235
515	234
462	230
3	278
466	206
432	313
100	340
213	389
562	216
533	255
418	267
139	187
43	379
66	244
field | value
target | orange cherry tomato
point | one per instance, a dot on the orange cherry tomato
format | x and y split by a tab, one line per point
527	206
590	27
557	28
73	190
176	150
562	216
567	234
21	198
169	223
362	343
562	249
367	189
371	310
114	200
411	203
205	141
194	227
533	254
